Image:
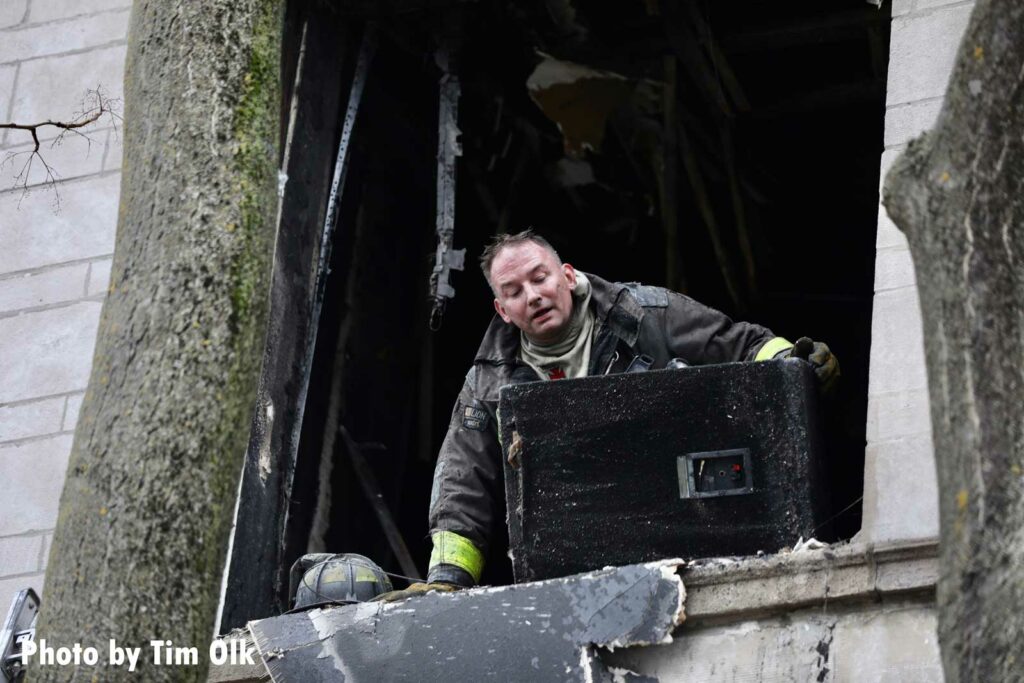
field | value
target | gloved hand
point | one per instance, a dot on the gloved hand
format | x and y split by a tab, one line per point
416	590
826	365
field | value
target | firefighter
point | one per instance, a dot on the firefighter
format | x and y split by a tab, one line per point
555	322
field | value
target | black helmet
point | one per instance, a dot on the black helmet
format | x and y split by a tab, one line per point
324	579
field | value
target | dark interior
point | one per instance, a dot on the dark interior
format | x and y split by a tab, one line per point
740	167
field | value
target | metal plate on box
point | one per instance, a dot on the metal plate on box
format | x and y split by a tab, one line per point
707	474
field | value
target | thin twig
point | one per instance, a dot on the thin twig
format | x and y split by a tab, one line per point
95	105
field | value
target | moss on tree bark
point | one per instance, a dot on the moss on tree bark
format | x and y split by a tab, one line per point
958	194
149	496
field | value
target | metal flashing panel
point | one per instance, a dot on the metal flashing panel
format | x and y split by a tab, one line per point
542	631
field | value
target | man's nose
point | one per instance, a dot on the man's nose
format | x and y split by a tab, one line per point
532	295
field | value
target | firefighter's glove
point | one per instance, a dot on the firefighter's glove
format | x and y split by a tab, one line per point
416	590
826	365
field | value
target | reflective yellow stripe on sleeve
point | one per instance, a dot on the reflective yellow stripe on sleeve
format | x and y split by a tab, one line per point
450	548
772	347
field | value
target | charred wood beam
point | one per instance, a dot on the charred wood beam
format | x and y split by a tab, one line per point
687	32
425	390
371	489
739	209
721	68
684	45
367	50
707	214
255	580
623	135
483	192
449	148
522	162
317	541
710	156
668	179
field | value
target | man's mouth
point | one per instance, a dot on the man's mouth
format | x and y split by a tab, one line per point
541	313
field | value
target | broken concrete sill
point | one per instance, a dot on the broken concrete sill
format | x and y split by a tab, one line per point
726	590
731	589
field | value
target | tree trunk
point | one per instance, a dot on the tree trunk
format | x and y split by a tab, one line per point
958	194
150	491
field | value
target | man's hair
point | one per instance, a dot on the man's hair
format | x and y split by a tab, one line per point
503	241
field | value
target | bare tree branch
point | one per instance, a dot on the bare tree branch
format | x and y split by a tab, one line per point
95	105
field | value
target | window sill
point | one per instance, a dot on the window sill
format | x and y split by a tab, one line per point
733	589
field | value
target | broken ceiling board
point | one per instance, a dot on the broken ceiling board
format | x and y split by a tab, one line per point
699	462
578	99
544	631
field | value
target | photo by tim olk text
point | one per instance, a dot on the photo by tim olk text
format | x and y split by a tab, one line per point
159	652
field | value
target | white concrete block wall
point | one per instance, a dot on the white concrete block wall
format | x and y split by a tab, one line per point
54	257
900	493
888	642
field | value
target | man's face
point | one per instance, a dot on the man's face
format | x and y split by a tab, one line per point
532	291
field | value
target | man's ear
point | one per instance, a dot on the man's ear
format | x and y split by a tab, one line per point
570	274
501	311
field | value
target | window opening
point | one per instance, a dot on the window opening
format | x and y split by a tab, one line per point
728	150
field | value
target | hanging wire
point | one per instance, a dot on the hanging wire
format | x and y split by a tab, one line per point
410	579
833	517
